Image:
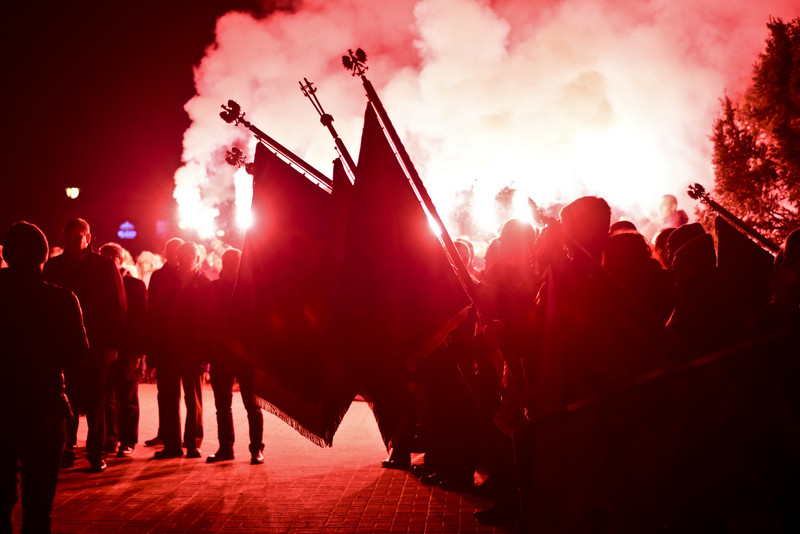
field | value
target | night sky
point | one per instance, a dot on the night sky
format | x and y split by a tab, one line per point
93	97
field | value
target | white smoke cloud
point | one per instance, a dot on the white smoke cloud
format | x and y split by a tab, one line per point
553	98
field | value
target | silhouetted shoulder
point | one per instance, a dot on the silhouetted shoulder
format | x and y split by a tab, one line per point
59	295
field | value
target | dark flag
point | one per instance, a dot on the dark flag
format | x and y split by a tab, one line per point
342	191
399	295
745	268
280	311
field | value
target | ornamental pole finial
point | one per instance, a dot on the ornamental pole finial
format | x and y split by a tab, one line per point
355	62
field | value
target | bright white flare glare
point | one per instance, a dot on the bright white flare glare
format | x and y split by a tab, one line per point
192	212
243	185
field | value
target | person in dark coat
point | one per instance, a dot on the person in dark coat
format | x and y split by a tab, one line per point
97	283
122	402
42	333
162	294
227	367
184	358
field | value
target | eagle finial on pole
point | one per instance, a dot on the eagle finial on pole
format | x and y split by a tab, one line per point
355	62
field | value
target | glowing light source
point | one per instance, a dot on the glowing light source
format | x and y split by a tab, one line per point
243	187
127	230
192	211
73	192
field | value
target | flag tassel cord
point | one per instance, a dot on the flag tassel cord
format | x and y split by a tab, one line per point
232	114
326	119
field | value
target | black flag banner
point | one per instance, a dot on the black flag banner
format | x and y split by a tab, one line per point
340	292
745	268
403	281
281	306
399	295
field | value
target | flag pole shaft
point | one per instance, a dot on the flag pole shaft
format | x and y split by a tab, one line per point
289	155
327	120
232	114
698	192
411	171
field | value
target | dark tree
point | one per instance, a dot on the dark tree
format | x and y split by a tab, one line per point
757	141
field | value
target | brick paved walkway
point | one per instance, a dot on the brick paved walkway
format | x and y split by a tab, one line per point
301	488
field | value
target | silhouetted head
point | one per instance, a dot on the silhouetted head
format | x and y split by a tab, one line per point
77	236
188	257
667	206
25	246
786	274
695	263
660	249
516	239
171	249
791	248
586	222
492	254
231	259
680	236
626	253
113	251
621	227
146	262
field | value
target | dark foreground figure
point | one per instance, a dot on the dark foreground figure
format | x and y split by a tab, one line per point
97	283
42	333
226	367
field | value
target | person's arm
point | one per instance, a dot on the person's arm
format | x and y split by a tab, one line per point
75	344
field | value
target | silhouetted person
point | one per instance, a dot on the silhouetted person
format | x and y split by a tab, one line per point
507	299
227	367
660	250
162	294
97	283
590	337
704	317
490	257
185	332
628	258
41	333
783	311
622	227
122	393
671	216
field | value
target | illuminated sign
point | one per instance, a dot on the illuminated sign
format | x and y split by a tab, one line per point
126	230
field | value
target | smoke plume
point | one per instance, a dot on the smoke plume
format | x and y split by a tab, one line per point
551	99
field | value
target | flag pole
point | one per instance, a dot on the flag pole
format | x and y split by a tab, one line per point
326	119
356	63
698	192
232	114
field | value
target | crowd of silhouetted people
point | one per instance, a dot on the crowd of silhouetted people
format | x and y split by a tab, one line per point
608	382
80	331
541	372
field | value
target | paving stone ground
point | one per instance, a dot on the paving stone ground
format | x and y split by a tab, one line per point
300	488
